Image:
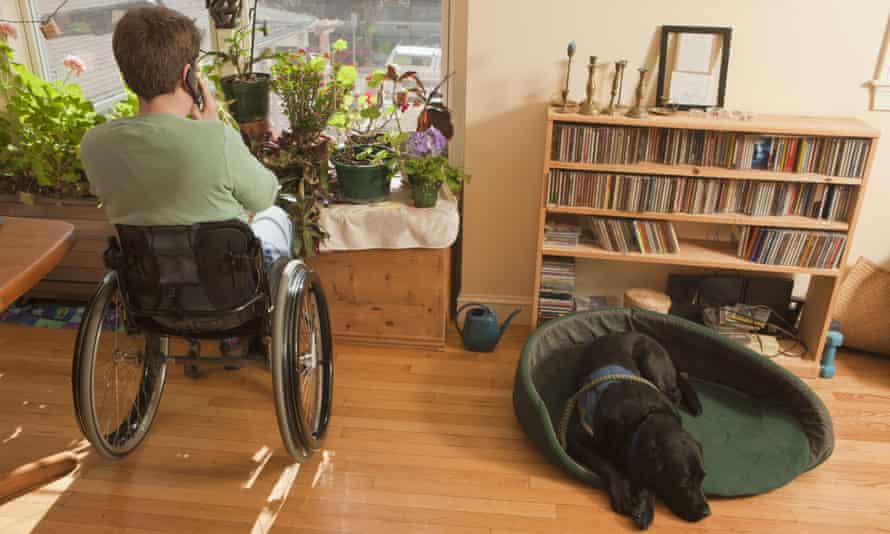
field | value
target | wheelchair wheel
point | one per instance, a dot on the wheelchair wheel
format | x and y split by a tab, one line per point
302	360
117	378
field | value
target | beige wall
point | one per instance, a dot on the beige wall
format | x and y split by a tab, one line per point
807	57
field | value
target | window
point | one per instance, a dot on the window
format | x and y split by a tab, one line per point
87	27
403	33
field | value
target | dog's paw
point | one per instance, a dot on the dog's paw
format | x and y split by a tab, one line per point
639	505
644	509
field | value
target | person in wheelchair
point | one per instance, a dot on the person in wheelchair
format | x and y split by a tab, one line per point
175	163
179	186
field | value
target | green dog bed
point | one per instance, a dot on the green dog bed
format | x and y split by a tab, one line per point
760	428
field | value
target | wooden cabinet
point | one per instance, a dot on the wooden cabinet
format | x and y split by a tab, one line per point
387	297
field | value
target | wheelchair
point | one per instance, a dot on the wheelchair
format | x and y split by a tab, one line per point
200	282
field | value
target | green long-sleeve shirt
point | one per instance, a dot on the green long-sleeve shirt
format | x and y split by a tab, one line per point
160	169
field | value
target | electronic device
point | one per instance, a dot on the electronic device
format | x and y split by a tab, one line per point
193	87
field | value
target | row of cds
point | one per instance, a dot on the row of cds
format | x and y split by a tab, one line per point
617	145
771	246
673	194
630	235
557	285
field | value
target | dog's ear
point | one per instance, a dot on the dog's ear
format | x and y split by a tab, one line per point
690	398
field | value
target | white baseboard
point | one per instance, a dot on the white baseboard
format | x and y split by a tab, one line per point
502	305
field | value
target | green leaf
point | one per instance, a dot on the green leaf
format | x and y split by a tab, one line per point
339	45
347	75
338	120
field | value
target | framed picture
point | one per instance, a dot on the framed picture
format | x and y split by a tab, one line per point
692	66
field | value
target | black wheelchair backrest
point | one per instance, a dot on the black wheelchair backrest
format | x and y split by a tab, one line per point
181	271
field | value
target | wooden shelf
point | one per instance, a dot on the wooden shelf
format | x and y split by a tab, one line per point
695	171
696	253
823	285
795	126
780	221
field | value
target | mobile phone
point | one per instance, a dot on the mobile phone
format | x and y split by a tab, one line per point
194	90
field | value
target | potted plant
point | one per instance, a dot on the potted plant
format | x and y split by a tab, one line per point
246	91
312	89
366	164
364	171
424	164
41	174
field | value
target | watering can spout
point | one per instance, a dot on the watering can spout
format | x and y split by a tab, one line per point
507	321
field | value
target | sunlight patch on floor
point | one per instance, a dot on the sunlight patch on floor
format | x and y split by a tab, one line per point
325	467
276	500
262	458
18	431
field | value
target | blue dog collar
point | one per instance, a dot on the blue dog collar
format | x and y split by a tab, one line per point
587	400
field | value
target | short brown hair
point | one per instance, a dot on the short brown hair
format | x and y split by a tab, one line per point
151	45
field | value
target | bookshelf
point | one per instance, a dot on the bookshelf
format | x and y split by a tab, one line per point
809	197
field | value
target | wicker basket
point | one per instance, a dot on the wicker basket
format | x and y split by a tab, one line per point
647	299
863	307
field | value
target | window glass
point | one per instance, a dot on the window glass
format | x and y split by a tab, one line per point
404	33
87	27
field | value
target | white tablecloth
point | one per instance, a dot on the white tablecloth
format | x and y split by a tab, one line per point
393	224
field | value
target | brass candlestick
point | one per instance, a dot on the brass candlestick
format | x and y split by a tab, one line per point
638	111
588	107
617	85
570	50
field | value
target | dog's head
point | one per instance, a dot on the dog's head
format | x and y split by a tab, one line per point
676	473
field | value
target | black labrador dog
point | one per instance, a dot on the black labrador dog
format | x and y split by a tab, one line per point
631	435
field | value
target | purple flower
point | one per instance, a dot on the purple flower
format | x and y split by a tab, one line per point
429	142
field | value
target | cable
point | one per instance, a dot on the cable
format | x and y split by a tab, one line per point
798	343
45	19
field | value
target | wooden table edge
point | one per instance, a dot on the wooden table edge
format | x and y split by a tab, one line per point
28	278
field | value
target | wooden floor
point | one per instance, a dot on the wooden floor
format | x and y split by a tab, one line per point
420	442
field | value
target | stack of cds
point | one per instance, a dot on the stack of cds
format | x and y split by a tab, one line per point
557	285
561	235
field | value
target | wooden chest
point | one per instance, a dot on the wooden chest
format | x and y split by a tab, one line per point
391	297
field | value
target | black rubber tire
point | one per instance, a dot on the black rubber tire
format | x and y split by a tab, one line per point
299	292
129	432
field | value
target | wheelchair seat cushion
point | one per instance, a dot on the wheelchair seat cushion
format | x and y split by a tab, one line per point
172	272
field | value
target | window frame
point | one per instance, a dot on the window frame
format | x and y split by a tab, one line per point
35	55
37	58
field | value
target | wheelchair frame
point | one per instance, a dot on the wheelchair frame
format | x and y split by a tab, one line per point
281	322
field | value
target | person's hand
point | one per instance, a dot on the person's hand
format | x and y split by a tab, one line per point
209	113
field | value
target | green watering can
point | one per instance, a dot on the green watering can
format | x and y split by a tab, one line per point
481	331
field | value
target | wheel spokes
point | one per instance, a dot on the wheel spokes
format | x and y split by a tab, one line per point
120	406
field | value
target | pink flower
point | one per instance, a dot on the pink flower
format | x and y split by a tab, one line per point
75	64
8	31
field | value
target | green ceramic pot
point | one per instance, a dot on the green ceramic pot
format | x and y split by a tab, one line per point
425	194
249	98
362	183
